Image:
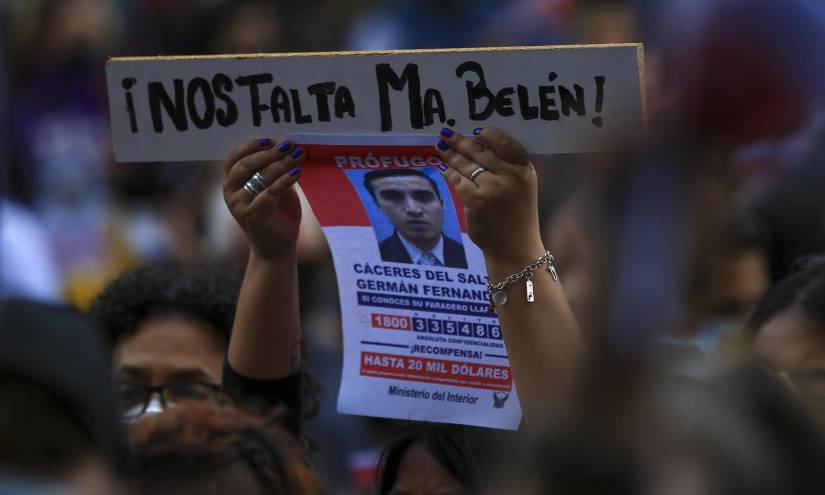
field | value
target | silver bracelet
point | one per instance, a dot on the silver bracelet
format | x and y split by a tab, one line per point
498	297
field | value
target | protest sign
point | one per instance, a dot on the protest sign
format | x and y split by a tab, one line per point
418	341
566	99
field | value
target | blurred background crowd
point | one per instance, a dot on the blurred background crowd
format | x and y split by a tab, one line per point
676	238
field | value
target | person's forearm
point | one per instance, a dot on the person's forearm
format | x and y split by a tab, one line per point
266	335
545	345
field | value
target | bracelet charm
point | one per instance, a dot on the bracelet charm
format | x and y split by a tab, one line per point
497	294
499	298
529	284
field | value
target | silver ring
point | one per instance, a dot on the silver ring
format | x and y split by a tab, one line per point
256	184
476	173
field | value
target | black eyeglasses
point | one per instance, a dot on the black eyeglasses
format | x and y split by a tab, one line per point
134	400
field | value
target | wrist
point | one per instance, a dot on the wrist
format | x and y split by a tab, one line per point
506	260
281	257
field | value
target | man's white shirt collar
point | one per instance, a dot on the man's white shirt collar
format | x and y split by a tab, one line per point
416	253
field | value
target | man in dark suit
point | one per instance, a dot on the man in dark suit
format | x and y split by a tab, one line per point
411	201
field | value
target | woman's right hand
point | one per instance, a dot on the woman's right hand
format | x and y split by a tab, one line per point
501	204
266	335
271	218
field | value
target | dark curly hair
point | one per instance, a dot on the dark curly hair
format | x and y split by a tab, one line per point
187	449
208	293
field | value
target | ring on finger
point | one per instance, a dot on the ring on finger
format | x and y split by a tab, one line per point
476	173
256	184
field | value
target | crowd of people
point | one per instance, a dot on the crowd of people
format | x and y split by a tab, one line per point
166	330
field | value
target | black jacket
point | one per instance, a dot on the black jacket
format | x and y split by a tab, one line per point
392	249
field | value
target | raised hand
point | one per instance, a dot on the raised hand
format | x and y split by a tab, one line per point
269	211
266	334
501	200
495	180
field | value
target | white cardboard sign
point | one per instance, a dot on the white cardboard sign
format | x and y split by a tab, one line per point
554	99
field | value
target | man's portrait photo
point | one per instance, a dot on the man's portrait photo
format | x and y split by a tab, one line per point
414	205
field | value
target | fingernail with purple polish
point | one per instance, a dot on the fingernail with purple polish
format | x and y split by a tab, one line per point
284	145
264	142
298	151
443	146
447	132
442	166
477	130
295	171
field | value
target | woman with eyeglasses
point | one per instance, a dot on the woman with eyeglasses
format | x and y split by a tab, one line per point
182	336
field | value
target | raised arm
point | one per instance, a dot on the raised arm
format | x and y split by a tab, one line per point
266	335
543	340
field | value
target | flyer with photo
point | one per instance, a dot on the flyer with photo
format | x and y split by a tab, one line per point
418	340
